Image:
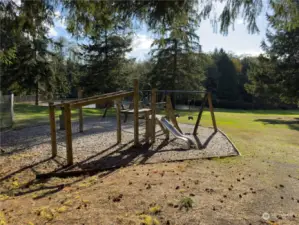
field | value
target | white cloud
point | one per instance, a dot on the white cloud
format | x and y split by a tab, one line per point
57	14
17	2
60	23
239	21
141	46
52	32
250	52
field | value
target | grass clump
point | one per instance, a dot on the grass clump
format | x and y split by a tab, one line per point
2	219
45	213
155	209
148	220
4	197
61	209
186	202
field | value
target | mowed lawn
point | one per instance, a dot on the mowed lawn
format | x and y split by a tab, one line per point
31	115
262	133
256	132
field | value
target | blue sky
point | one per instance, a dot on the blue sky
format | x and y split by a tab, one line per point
238	40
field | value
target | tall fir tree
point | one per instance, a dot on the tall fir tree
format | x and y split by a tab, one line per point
227	87
105	55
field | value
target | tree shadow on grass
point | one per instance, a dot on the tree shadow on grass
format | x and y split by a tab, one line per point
292	124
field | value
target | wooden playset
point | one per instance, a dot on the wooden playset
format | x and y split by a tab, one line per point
148	114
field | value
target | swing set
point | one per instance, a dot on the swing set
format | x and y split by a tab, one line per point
150	116
164	120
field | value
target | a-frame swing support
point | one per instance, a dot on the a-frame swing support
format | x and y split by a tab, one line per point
207	97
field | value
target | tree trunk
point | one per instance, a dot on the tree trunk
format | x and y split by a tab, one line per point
175	62
106	56
174	78
36	94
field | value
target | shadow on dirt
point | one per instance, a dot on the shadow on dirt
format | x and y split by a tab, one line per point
42	185
35	178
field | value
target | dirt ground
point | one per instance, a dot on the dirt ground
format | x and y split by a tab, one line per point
236	190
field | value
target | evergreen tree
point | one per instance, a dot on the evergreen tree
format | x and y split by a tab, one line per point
176	55
279	72
227	87
105	55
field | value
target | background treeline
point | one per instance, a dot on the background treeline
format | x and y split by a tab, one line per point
33	63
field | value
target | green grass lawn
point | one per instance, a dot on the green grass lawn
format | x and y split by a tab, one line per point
269	135
259	132
31	115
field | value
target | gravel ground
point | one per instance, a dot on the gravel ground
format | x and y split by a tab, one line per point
96	146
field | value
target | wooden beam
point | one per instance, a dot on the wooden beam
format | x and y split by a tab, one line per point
88	98
171	115
80	95
147	126
68	133
102	99
200	114
153	119
136	116
61	118
212	111
53	128
118	120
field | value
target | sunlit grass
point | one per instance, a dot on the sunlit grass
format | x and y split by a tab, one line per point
30	115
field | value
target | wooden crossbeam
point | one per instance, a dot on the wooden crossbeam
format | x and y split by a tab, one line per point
88	98
102	99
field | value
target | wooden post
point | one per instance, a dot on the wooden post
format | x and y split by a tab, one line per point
68	133
136	116
170	113
153	119
212	111
147	126
200	114
53	128
80	95
11	107
61	118
118	120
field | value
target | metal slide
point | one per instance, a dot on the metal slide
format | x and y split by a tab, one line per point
175	132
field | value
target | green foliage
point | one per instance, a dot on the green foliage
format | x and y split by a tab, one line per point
228	81
276	76
105	55
185	203
286	14
176	56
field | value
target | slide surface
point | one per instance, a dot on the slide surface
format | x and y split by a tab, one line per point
175	132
